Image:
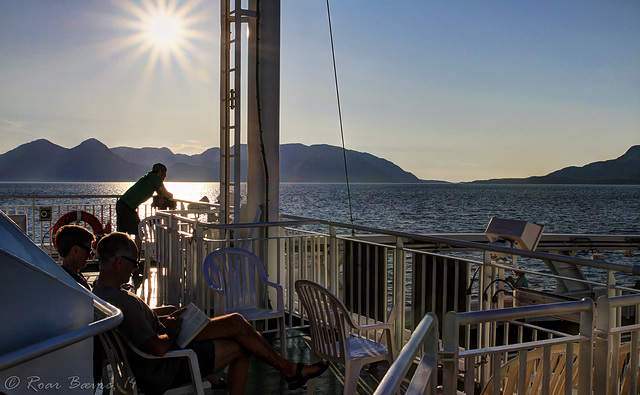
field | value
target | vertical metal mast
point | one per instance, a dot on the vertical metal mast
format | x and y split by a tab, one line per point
262	125
230	108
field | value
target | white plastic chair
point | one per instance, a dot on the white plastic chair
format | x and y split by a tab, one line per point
113	344
335	337
146	233
240	285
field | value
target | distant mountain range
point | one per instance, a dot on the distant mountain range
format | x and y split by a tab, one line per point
92	161
622	170
42	160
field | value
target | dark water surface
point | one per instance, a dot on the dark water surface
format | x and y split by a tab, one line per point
428	208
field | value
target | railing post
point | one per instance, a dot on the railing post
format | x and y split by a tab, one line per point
399	291
601	353
196	264
333	258
449	354
484	336
586	349
173	291
611	292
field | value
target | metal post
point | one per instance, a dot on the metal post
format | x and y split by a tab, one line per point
399	291
602	332
586	349
449	354
263	127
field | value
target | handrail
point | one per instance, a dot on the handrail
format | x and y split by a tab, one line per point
56	196
47	346
633	269
426	335
296	220
514	313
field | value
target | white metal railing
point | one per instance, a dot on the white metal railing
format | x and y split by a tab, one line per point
39	214
617	345
484	360
373	273
424	340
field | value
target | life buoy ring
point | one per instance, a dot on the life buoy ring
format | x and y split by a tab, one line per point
77	216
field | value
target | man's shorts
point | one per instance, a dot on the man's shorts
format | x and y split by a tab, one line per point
128	219
206	353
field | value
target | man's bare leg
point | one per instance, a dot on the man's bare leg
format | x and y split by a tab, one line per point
229	353
235	327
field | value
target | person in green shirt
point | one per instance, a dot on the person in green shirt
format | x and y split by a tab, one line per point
137	194
520	281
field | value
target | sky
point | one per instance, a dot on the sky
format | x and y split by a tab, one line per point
448	90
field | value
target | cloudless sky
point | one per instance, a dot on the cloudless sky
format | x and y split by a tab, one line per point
449	90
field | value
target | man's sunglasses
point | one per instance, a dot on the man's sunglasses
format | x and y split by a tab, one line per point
135	262
88	250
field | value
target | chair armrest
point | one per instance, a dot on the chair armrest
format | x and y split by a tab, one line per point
279	294
215	289
385	327
374	327
170	354
194	366
219	300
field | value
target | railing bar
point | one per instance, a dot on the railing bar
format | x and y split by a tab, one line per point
522	346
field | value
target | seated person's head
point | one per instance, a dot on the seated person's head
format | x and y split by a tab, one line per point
118	256
74	239
114	245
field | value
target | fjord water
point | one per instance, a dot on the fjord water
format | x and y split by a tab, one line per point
421	208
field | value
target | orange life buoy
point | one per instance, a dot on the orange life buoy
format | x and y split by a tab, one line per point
77	216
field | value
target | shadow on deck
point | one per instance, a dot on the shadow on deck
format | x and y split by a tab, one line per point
263	379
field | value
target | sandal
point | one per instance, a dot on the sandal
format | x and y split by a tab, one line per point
299	380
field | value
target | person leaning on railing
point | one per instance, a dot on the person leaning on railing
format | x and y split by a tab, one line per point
137	194
228	340
520	281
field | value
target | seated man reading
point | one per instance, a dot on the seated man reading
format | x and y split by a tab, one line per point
226	341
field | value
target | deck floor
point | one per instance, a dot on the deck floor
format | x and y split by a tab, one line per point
263	379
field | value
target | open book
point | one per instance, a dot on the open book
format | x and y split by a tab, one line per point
193	321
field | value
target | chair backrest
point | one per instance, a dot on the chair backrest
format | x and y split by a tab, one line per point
146	228
116	352
239	274
328	320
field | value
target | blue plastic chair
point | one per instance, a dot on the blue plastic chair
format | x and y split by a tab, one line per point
240	285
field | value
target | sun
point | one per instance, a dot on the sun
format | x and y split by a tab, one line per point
164	30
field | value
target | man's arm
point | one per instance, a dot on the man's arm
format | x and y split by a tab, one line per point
160	344
166	316
163	191
163	310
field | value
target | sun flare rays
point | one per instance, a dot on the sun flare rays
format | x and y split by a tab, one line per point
162	33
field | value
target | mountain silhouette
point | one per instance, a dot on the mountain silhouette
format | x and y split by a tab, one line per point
622	170
94	161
